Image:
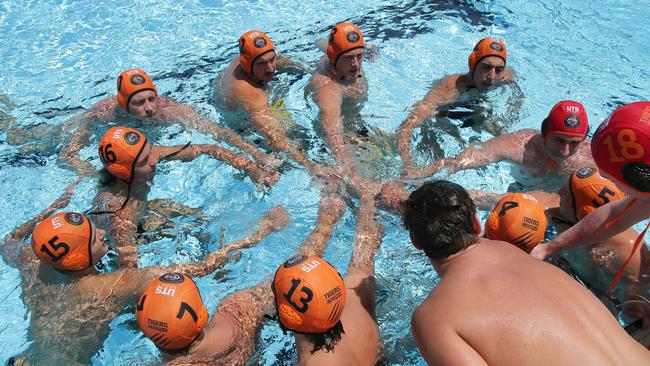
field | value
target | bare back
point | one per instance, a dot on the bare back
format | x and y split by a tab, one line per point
505	308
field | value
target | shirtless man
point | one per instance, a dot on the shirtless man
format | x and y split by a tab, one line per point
620	150
231	335
487	69
70	303
137	99
131	160
333	319
555	152
494	304
339	85
596	265
243	86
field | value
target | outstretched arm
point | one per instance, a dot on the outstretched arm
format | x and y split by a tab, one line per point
367	237
285	64
188	116
329	99
443	93
330	209
597	226
484	200
273	220
257	174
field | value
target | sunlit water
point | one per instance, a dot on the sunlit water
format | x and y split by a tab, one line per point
59	58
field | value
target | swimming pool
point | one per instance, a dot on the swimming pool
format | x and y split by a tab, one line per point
60	57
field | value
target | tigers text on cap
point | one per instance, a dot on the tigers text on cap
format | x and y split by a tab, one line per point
344	37
567	118
119	150
170	311
252	45
64	241
484	48
517	219
309	294
130	83
620	146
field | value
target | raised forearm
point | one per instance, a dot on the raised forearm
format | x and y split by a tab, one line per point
272	221
330	209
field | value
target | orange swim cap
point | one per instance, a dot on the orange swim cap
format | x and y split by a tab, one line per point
591	191
344	37
567	118
517	219
64	241
621	146
252	45
119	149
131	82
170	311
484	48
309	294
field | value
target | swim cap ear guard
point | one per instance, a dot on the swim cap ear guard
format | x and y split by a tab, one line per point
170	311
309	295
64	241
130	83
517	219
252	45
590	191
119	150
344	37
484	48
567	118
620	146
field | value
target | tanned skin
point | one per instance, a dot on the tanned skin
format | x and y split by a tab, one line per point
123	223
360	344
490	71
235	89
155	111
231	336
71	311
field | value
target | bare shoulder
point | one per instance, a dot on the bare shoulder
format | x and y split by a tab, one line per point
320	81
104	109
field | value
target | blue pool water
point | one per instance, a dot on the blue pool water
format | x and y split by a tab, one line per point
59	57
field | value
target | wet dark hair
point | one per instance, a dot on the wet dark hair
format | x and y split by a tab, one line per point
637	176
440	217
326	340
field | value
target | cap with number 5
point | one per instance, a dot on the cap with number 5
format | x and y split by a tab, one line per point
309	294
64	241
590	191
517	219
621	146
119	149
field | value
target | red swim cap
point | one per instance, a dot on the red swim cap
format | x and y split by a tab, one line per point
567	118
119	150
517	219
484	48
590	191
344	37
64	241
252	45
620	146
170	311
309	294
130	83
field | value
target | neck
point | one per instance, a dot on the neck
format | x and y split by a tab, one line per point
442	265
